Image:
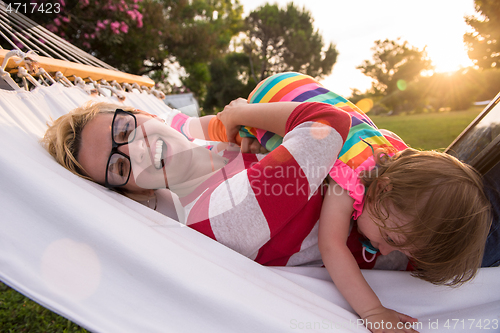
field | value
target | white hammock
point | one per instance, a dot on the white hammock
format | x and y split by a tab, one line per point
112	265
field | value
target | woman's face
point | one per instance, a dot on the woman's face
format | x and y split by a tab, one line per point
153	141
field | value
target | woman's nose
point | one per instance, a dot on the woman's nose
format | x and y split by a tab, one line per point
136	150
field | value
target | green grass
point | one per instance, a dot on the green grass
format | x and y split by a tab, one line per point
20	314
424	131
427	131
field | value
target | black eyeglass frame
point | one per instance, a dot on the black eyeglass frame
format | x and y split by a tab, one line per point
115	146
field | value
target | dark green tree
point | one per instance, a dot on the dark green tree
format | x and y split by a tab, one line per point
285	40
144	36
394	67
122	33
484	43
207	27
230	79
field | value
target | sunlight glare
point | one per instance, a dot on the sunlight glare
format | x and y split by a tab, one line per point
365	105
401	84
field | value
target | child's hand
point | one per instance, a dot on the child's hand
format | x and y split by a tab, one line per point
383	320
227	117
252	145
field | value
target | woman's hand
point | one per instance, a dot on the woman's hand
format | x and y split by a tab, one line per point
227	117
383	320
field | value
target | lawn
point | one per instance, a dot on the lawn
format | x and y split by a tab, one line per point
423	131
428	130
20	314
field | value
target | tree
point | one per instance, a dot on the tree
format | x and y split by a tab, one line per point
207	27
110	30
145	36
285	40
460	89
230	79
394	67
484	43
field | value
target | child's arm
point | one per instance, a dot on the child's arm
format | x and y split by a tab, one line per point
267	116
204	128
340	263
212	129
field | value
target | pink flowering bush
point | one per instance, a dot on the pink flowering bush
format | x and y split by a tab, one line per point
90	22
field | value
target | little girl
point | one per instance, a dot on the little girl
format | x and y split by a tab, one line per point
427	205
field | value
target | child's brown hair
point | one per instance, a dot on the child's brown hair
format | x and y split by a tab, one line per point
444	203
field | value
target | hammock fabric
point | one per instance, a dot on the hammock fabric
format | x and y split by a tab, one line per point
112	265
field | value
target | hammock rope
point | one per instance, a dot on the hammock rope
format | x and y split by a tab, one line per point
57	60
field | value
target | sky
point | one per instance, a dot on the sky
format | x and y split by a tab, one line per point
354	25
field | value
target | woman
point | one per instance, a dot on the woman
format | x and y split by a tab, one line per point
264	207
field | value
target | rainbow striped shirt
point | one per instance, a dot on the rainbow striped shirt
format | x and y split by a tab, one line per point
356	155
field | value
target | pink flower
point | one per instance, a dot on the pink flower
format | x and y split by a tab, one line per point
160	33
65	19
51	27
101	25
92	36
131	13
112	7
57	21
86	36
138	16
136	6
124	27
86	44
105	22
62	3
84	3
115	27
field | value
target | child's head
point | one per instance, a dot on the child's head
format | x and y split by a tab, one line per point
446	213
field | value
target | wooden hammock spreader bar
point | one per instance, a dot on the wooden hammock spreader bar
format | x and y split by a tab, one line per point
84	71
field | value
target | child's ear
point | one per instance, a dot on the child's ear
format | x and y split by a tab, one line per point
384	184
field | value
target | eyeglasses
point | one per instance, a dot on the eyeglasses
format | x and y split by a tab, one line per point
119	166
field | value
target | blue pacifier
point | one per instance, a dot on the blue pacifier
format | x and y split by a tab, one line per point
368	247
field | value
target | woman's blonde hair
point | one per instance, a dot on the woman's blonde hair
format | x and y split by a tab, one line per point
444	203
63	138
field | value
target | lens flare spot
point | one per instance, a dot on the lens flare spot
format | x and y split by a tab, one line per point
320	129
71	269
366	104
401	85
